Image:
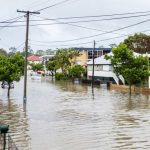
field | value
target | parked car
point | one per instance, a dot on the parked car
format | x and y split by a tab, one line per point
5	85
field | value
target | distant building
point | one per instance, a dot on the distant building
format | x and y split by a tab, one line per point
34	59
46	58
86	54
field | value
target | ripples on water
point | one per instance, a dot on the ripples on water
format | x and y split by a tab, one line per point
66	116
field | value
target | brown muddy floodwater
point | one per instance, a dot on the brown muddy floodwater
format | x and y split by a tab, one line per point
66	116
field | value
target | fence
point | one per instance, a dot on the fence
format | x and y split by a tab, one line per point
11	144
7	143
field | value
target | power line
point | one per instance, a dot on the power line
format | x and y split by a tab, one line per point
94	20
17	18
105	15
89	41
61	2
20	45
65	22
7	21
83	27
36	3
79	21
87	21
86	37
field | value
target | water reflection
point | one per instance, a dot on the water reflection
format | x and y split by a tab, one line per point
64	116
13	115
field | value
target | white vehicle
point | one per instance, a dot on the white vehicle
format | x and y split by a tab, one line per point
36	76
5	85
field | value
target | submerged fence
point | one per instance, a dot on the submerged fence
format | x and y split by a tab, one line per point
6	142
11	144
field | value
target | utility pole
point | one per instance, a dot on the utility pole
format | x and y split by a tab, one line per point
26	51
93	65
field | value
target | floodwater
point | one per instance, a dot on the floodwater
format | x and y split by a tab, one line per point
66	116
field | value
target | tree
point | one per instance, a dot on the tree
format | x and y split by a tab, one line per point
11	69
52	66
40	52
37	67
65	58
49	52
139	43
13	49
133	68
3	52
76	71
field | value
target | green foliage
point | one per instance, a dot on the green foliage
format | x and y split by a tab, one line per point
37	67
40	52
60	76
11	68
76	71
65	57
3	52
139	43
133	68
52	66
13	49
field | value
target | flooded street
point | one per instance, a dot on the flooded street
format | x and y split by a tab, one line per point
66	116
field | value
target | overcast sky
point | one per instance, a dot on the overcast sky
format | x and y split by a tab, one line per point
15	36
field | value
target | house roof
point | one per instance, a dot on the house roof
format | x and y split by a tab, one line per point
90	49
34	58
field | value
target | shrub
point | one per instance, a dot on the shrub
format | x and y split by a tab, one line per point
60	76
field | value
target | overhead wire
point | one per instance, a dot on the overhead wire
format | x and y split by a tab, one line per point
83	43
84	21
8	24
95	35
83	27
105	15
61	2
78	21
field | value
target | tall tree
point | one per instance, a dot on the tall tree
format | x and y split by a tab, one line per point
3	52
52	66
66	57
133	68
139	43
37	67
11	69
13	49
40	52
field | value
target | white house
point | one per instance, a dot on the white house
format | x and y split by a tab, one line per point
103	71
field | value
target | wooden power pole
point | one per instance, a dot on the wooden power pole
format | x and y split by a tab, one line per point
26	51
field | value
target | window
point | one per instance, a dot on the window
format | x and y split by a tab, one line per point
97	53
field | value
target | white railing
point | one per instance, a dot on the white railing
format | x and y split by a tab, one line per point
122	79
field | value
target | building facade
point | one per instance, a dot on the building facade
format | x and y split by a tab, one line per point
86	54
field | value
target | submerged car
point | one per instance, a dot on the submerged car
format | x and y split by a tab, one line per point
5	85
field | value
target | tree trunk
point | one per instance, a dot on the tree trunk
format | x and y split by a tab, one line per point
8	93
130	88
52	74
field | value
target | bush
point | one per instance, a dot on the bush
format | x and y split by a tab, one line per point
60	76
76	71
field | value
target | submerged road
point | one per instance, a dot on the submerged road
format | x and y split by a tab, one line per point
66	116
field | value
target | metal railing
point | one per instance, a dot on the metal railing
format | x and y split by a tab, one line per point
11	144
7	143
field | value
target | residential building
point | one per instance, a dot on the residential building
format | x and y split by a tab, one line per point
34	59
103	71
86	54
